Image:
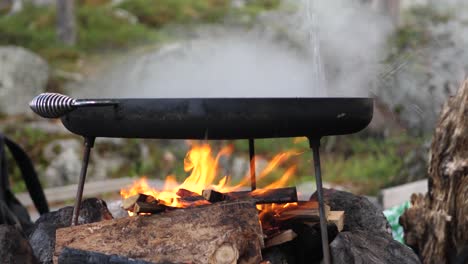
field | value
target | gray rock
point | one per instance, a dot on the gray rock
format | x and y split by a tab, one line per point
360	247
92	210
42	238
361	214
14	248
23	75
65	162
43	242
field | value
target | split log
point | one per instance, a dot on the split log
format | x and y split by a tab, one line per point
337	218
150	208
306	211
189	196
144	204
281	195
129	202
281	238
436	225
205	234
213	196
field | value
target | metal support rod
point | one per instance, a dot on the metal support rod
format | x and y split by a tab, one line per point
315	146
253	177
88	144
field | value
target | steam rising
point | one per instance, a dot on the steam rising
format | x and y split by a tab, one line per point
255	63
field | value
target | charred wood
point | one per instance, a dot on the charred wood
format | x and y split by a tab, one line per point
213	196
189	196
282	195
129	202
150	208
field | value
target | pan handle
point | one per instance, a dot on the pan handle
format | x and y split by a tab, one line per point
55	105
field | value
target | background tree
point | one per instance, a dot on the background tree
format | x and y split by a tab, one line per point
436	225
66	21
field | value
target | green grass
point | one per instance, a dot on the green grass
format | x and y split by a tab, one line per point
362	164
158	13
99	30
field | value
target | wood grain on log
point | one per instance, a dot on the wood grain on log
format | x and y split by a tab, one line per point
182	236
436	225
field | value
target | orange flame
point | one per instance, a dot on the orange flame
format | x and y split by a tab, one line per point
203	168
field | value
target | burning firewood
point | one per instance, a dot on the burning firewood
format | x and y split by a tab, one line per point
282	195
304	213
150	208
189	196
129	203
213	196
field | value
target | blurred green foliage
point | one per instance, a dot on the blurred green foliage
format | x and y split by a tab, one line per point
413	33
361	163
32	141
157	13
99	28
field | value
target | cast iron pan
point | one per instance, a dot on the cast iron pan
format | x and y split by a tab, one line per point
220	118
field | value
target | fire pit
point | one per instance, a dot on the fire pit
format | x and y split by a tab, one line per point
210	118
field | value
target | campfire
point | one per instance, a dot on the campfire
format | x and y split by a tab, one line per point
206	219
275	207
205	185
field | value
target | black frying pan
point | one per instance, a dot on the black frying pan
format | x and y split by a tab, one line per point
207	118
223	118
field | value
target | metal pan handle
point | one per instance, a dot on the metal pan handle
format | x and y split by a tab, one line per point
54	105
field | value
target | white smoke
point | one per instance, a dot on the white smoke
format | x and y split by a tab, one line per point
255	63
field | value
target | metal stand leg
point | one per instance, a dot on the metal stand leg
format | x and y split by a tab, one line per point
88	144
315	146
253	178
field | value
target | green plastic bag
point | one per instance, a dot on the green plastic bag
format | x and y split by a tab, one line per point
393	215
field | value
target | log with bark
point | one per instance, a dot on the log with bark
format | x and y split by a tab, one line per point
436	225
225	232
